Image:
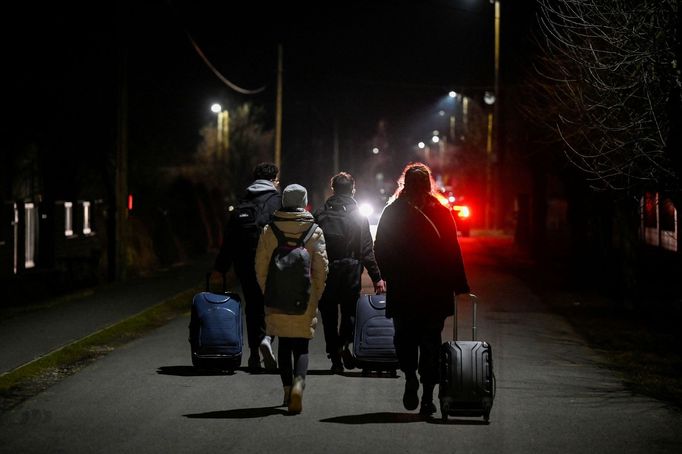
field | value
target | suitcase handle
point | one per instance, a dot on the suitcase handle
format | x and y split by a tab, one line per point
474	300
208	282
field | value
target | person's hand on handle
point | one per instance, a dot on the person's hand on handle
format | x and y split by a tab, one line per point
379	287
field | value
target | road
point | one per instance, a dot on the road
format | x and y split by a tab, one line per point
552	396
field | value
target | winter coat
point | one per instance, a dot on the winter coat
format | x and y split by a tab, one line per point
231	250
420	260
293	223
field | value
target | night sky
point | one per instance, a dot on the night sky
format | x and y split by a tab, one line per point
355	63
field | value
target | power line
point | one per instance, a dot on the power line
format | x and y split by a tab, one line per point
222	78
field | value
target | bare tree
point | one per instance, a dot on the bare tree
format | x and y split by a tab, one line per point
607	75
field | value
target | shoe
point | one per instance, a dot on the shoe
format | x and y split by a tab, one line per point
337	368
337	365
427	408
410	397
348	359
254	364
296	396
268	357
287	396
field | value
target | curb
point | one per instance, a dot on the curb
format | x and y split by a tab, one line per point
42	372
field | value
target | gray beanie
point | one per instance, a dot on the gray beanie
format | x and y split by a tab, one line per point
294	196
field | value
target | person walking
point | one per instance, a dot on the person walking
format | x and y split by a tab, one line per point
293	226
418	252
252	212
349	249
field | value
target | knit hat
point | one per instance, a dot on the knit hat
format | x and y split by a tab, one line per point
294	196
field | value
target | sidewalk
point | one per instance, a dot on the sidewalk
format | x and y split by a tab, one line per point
31	333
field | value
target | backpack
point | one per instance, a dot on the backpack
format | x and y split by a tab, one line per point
337	223
251	218
287	287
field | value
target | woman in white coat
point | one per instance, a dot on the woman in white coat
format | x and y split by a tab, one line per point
294	331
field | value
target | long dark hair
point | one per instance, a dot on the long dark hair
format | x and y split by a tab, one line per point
415	182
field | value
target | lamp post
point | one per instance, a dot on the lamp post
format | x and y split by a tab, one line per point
222	131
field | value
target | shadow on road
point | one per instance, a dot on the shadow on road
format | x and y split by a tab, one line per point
239	413
399	418
187	371
376	418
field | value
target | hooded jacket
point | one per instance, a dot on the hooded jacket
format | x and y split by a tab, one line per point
261	192
420	259
293	223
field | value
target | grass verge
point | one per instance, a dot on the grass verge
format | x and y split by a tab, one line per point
41	373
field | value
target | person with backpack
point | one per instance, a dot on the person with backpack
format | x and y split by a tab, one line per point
417	249
291	268
251	213
349	249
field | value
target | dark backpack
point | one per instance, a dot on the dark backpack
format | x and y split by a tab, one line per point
251	218
287	287
338	224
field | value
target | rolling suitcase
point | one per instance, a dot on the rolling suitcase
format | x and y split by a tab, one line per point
467	382
373	347
215	330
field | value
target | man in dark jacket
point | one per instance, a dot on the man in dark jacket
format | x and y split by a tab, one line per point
253	211
418	252
349	249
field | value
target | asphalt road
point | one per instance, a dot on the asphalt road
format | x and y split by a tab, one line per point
552	396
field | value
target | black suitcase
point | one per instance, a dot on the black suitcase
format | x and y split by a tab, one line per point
215	330
467	381
373	347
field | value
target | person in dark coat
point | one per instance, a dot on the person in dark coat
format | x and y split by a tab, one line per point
417	250
239	249
349	248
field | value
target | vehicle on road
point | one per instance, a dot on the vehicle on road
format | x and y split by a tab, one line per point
461	209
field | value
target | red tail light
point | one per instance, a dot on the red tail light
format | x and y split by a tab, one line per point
462	211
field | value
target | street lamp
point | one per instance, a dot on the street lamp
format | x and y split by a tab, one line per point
222	130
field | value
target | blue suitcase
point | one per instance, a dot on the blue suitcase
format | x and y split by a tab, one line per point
467	381
373	346
215	330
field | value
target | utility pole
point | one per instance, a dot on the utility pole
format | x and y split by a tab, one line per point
496	125
493	128
121	186
335	159
278	120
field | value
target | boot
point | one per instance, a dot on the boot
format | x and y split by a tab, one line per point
410	397
287	396
254	363
337	364
427	407
296	397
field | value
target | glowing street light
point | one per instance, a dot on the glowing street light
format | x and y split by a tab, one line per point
222	129
421	145
452	94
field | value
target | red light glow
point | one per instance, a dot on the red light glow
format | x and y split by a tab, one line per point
462	211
